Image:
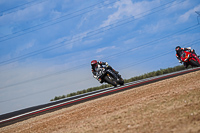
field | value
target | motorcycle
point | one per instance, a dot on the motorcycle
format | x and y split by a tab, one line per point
190	58
109	76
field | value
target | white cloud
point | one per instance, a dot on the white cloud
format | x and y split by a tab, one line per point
26	47
92	41
55	14
126	8
34	13
22	15
105	48
69	41
154	28
178	5
130	41
183	18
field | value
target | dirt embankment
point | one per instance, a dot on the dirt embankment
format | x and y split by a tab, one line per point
171	105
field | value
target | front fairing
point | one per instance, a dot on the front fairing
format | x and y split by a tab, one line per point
195	58
185	56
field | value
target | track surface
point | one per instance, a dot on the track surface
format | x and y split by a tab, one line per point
166	106
14	117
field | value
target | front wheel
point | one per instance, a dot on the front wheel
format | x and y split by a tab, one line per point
121	81
109	81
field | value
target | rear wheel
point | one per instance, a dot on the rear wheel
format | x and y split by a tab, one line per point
109	81
194	63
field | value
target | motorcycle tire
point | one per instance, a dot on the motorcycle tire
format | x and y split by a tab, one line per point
194	63
121	82
114	83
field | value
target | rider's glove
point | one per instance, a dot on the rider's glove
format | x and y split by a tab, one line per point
180	61
95	76
106	64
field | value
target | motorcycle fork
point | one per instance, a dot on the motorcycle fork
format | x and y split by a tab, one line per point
108	75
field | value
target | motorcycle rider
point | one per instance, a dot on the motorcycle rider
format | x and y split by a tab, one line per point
95	69
179	51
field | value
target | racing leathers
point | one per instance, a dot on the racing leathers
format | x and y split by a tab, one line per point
96	68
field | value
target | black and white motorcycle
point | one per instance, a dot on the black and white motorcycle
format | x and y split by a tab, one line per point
109	76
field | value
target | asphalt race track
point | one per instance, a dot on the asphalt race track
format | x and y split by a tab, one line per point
13	117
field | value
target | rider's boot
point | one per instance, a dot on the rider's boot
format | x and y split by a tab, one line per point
185	64
100	80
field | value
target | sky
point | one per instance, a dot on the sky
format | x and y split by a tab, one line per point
46	46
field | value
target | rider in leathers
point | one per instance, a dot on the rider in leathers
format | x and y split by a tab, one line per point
179	51
96	67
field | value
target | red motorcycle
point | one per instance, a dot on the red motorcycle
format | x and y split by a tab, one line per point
190	59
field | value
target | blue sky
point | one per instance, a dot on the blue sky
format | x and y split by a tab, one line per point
46	46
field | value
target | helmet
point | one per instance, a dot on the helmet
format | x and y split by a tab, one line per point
178	48
94	63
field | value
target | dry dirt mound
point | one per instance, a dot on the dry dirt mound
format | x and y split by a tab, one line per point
171	105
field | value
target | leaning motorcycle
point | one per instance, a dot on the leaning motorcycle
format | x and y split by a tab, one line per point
107	75
190	58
